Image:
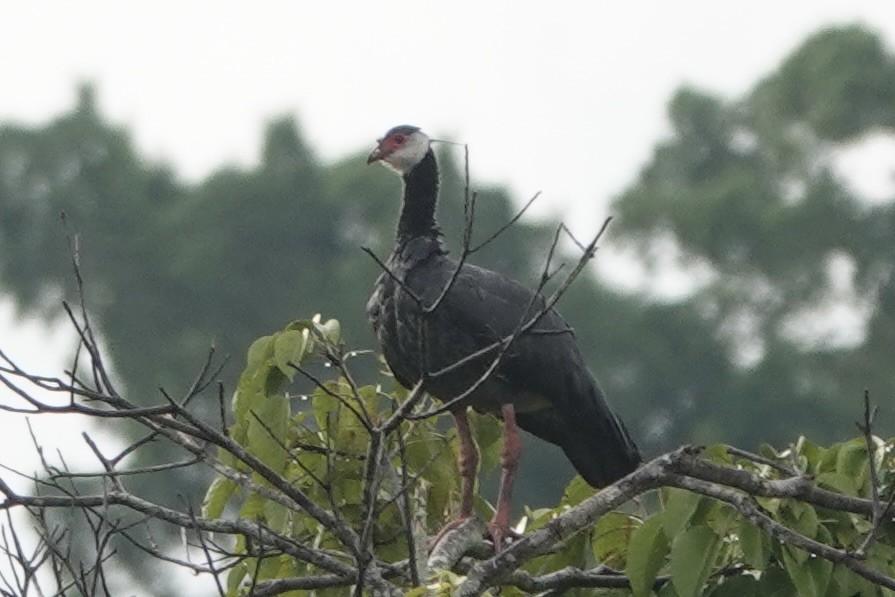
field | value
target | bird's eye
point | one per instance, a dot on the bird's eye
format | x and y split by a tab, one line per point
399	139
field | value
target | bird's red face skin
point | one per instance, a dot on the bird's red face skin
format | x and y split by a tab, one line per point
401	148
388	145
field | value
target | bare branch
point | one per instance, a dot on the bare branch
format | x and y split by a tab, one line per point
879	510
506	226
385	269
456	543
757	458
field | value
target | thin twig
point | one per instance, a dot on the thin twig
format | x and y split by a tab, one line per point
507	225
879	510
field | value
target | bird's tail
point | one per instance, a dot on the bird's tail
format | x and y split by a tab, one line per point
602	454
592	436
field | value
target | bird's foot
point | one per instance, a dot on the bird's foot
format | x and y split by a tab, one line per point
454	524
500	533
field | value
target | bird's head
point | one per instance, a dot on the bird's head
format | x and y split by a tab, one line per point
402	148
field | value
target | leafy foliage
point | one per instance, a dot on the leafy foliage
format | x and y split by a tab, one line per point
686	544
321	449
746	195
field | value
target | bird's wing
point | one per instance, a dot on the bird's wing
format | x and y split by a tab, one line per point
483	307
542	373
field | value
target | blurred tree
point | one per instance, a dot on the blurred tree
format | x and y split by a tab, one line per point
173	268
748	190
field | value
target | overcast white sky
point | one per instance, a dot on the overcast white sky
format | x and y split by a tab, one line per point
567	100
563	97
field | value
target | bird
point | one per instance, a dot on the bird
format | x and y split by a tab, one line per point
456	327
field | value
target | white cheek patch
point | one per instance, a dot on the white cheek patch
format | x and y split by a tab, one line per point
410	155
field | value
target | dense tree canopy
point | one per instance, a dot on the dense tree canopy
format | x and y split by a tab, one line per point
747	190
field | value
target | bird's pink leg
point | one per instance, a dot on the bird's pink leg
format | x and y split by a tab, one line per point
468	464
509	462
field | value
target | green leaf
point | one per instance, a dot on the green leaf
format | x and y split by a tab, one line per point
693	555
611	538
705	509
237	433
741	585
718	453
254	379
843	582
332	331
852	460
793	558
680	505
236	576
755	545
772	505
432	456
289	350
882	557
260	350
539	517
217	497
574	553
253	507
276	516
243	398
348	489
325	408
824	574
576	491
810	575
488	433
372	401
722	518
273	381
801	517
667	590
267	430
837	482
774	582
768	451
646	553
827	462
812	452
269	568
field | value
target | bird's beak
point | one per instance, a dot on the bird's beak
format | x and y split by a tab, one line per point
374	156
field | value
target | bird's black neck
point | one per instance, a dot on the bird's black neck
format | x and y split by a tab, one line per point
420	199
